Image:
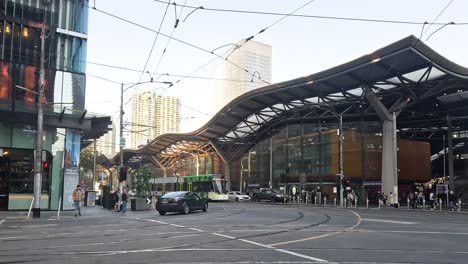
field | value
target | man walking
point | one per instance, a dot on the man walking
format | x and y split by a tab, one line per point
124	202
77	196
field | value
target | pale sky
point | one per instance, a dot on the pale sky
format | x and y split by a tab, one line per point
301	46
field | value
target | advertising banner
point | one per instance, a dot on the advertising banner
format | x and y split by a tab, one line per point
71	173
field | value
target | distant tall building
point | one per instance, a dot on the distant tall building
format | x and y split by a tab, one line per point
152	116
106	143
252	56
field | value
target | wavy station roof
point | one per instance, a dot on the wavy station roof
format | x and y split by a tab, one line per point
407	76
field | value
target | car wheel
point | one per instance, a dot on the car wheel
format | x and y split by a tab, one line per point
186	208
161	212
237	199
205	207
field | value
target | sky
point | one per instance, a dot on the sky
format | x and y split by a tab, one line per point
300	46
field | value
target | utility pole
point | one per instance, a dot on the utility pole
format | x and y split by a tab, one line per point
39	129
122	140
340	148
94	163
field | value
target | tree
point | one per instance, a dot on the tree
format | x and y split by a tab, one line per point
87	166
141	181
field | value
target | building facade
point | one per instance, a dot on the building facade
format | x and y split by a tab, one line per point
253	56
106	144
153	115
65	120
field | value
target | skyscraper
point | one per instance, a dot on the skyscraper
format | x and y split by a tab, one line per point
106	143
152	116
252	56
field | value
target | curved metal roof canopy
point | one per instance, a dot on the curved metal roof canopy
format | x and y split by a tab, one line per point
407	76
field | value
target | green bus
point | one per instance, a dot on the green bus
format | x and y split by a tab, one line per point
210	186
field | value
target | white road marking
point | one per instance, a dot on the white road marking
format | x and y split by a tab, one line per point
176	225
6	238
389	221
221	235
411	232
1	221
196	229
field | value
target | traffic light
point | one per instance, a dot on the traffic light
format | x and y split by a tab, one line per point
345	182
123	174
45	167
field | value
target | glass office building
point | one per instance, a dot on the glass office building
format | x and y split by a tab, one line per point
65	119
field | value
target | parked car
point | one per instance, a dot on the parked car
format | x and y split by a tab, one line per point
270	195
238	196
184	202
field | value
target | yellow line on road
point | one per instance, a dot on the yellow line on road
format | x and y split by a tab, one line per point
359	220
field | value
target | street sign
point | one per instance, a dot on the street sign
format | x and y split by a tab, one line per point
148	201
122	142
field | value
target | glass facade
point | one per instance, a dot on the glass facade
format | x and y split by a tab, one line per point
66	26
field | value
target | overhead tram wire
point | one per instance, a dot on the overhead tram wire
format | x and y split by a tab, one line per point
154	42
437	17
246	40
162	34
312	16
169	39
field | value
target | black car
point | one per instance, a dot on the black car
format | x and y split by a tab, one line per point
269	195
183	202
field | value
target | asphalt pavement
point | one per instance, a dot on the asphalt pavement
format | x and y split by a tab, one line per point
237	233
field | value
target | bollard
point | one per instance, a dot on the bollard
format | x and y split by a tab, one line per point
424	204
30	208
345	204
315	200
440	204
334	201
58	211
459	205
324	201
380	201
355	203
408	202
367	203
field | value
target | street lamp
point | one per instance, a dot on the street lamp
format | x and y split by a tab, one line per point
122	140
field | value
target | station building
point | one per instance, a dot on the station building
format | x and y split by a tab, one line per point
398	113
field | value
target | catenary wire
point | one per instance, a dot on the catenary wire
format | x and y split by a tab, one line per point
356	19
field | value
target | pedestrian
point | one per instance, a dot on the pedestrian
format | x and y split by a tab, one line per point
77	196
432	200
392	200
452	202
124	202
384	199
116	200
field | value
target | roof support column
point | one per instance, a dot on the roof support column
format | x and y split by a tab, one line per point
450	155
227	166
156	161
389	145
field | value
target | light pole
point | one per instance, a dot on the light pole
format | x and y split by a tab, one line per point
340	148
122	139
39	129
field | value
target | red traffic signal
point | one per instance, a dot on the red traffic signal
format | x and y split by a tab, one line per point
123	173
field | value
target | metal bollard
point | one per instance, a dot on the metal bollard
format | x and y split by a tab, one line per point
58	211
367	203
345	202
355	203
380	201
324	201
424	204
315	202
334	201
30	208
440	204
459	205
408	202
